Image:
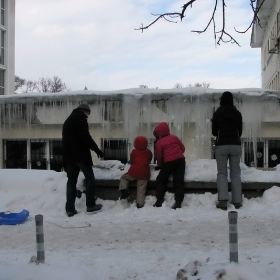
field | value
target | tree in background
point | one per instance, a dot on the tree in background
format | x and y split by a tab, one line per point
178	85
54	84
19	82
205	85
222	34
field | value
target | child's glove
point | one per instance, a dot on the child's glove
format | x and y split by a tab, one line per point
157	168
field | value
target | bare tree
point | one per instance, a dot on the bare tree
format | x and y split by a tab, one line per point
19	82
30	86
54	84
143	86
204	84
219	35
178	85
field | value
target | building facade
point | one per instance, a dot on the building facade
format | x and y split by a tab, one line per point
7	47
31	124
266	35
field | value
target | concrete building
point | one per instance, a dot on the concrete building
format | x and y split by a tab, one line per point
266	35
31	124
7	45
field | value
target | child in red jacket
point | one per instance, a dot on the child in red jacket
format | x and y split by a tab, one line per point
169	154
139	171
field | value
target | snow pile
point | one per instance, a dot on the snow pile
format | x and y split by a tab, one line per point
129	243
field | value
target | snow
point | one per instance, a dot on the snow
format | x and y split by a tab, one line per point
124	242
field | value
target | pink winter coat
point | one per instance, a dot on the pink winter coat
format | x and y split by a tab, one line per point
140	158
168	147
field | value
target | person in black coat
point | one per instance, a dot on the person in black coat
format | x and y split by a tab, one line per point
76	145
227	127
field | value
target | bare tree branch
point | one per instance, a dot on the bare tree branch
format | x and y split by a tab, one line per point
224	36
255	18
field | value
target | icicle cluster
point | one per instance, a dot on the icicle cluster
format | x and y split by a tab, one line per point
134	112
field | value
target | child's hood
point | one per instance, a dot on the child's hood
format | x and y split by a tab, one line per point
141	143
162	129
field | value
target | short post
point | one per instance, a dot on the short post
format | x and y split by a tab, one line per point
233	237
40	239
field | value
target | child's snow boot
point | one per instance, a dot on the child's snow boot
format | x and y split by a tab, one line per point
124	194
158	203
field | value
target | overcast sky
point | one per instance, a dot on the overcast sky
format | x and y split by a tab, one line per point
93	43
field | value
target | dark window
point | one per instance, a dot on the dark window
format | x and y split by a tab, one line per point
38	155
115	149
273	152
2	83
2	13
15	154
249	154
56	162
2	34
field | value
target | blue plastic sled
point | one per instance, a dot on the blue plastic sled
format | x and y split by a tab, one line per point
8	218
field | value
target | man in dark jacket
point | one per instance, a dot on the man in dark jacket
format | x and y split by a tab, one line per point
227	127
76	146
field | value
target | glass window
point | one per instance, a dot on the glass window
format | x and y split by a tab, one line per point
15	154
2	75
115	149
56	162
273	152
249	154
2	47
2	13
38	155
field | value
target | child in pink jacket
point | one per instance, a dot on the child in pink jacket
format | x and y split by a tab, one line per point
169	154
139	171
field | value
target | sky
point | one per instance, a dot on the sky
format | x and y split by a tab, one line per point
94	44
122	242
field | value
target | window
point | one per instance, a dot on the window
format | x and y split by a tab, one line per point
115	149
38	155
273	152
2	35
15	155
2	82
2	13
56	162
33	154
266	156
249	154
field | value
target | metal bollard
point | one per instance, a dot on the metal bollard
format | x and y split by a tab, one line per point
233	237
40	239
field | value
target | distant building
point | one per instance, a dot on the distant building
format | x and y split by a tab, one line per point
266	35
7	47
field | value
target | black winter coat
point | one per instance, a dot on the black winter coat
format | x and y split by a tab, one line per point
227	125
76	140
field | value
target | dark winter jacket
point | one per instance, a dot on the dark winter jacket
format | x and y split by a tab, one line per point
140	158
76	140
168	147
227	125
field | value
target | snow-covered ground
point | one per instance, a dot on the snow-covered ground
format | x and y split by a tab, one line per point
128	243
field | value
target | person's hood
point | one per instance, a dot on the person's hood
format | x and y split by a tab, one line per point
141	143
161	130
230	113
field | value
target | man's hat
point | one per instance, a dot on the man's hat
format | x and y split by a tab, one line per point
84	107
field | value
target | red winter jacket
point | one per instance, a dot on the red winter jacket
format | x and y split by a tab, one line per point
140	158
168	147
